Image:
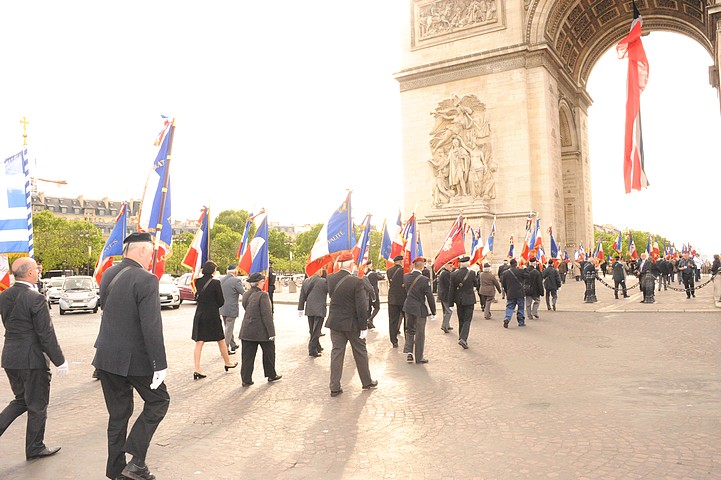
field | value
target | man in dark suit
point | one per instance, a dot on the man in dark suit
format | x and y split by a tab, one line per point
444	287
312	301
619	277
419	304
501	270
348	323
685	270
512	283
646	279
130	354
461	292
396	298
29	341
374	304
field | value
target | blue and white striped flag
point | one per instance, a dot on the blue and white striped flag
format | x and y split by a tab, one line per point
16	220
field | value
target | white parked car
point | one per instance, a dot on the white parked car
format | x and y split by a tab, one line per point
169	292
53	289
79	293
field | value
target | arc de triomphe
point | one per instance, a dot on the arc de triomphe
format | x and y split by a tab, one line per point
494	107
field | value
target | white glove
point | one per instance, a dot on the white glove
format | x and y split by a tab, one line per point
433	317
272	339
450	309
158	378
63	369
300	313
363	334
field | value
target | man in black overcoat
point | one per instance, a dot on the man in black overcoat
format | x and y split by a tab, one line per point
419	304
30	342
619	277
396	298
348	323
130	355
444	287
463	281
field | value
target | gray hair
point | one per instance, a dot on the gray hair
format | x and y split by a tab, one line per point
22	266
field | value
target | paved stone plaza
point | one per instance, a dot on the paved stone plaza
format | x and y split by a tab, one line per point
616	389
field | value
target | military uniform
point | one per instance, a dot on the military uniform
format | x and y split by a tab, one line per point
463	282
396	299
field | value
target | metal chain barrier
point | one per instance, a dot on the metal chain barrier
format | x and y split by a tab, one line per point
668	285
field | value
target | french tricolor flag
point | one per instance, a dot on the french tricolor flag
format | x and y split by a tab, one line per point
114	244
336	236
256	257
197	253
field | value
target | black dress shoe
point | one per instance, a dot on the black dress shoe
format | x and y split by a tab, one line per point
247	384
228	367
45	452
275	379
137	473
445	330
395	345
336	392
409	357
463	344
231	352
316	354
422	360
373	384
197	376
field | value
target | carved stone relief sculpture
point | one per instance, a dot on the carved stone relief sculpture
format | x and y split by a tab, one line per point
461	156
441	17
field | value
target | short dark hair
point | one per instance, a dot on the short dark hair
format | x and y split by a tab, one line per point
209	268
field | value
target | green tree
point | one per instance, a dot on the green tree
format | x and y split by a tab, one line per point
224	248
66	244
640	239
234	220
181	243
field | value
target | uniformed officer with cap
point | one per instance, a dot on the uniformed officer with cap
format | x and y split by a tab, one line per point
130	355
463	281
396	298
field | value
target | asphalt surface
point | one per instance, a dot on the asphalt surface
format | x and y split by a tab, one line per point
612	390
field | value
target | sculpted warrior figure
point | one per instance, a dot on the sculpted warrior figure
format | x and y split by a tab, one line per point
461	151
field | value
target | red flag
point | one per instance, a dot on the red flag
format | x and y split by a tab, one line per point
453	246
4	273
631	47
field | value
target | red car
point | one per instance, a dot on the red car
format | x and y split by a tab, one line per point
186	291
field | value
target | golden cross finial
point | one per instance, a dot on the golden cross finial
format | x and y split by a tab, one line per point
25	124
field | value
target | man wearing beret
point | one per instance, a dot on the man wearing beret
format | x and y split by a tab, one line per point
419	304
463	282
130	355
348	323
232	288
396	298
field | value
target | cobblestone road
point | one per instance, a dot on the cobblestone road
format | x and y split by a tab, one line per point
611	390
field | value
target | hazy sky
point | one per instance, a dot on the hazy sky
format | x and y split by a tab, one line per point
285	105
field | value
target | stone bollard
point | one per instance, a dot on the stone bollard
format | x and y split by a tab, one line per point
383	288
292	287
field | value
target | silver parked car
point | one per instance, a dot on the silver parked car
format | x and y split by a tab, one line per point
79	294
53	289
169	292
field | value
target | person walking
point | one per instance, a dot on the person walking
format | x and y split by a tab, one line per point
563	271
374	304
130	355
396	298
232	288
271	284
552	284
489	285
312	301
444	287
619	277
207	326
512	283
463	282
686	270
533	289
257	329
419	305
348	323
30	345
716	275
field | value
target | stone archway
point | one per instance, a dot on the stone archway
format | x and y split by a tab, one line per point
527	64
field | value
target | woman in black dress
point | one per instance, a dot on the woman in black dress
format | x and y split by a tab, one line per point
207	326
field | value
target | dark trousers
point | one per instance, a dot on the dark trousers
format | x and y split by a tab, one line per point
373	308
394	322
415	336
551	298
447	313
622	283
465	315
31	388
247	361
118	393
689	285
315	324
337	355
